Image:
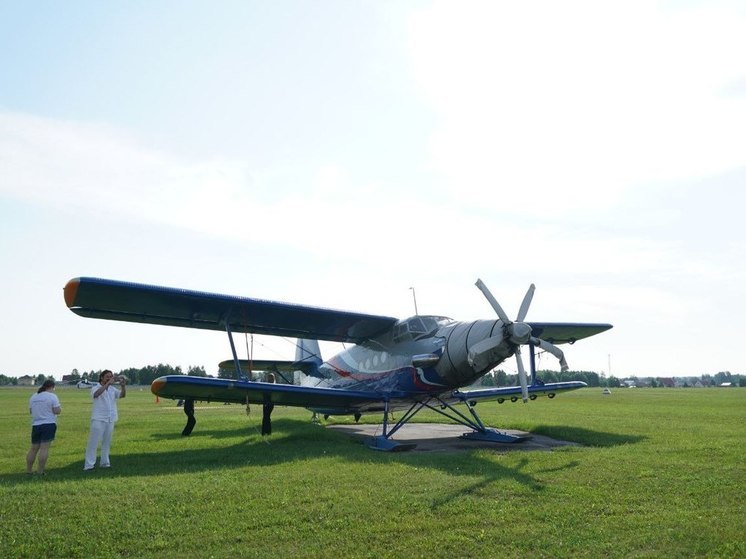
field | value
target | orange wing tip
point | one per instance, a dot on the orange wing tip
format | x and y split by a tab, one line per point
157	385
71	292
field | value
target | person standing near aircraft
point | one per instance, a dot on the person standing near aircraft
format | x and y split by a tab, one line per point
267	408
103	417
44	407
191	422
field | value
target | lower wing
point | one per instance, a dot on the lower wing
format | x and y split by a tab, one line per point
207	389
331	400
511	392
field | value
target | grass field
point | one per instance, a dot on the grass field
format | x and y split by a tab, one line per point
662	475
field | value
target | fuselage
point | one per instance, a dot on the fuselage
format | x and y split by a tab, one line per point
420	355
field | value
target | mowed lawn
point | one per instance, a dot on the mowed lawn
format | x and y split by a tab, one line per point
661	475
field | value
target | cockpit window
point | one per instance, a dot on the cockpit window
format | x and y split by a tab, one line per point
418	327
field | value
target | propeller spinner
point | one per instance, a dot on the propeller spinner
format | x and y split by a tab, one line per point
519	333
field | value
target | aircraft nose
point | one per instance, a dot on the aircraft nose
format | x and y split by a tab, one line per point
520	333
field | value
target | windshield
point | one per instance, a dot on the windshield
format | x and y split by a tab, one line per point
418	327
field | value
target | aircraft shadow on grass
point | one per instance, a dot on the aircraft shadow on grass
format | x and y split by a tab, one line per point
587	437
298	440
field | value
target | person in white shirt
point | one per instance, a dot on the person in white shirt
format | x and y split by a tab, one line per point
44	407
103	418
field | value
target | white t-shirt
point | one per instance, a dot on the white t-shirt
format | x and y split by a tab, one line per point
42	407
105	406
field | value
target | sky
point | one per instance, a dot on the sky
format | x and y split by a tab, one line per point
351	155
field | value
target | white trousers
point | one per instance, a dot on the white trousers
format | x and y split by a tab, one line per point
101	432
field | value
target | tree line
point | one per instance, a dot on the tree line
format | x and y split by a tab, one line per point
592	379
143	375
146	375
501	378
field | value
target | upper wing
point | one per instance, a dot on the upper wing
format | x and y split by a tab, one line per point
565	332
133	302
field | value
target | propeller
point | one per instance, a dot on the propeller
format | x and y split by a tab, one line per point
519	333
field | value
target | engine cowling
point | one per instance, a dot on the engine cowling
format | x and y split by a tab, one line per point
471	349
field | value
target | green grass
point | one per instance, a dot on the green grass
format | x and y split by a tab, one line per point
662	475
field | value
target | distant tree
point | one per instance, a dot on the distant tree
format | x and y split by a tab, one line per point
74	375
8	381
653	383
196	371
131	375
613	382
501	378
90	376
590	378
487	380
546	376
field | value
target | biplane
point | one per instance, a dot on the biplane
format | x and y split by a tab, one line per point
405	365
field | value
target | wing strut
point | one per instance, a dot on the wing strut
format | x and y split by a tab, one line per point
236	361
532	362
439	405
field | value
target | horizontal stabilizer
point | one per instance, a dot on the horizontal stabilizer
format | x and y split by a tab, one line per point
254	365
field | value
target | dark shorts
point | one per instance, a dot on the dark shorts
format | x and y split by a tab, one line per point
43	433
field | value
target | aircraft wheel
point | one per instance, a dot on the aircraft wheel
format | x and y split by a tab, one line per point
551	395
513	399
532	397
500	400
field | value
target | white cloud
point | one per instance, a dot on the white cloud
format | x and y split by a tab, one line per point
573	104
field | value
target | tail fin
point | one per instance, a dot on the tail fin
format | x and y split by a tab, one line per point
308	351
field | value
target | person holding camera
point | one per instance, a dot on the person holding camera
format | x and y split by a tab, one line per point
103	417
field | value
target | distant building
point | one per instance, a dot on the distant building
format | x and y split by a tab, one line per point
25	380
667	382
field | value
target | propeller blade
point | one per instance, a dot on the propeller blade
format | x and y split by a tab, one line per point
526	303
553	349
521	374
495	305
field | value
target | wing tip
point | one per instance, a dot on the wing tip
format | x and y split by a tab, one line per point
71	292
157	385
